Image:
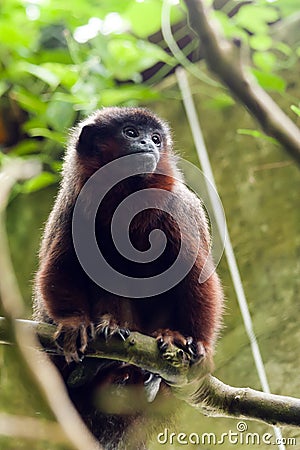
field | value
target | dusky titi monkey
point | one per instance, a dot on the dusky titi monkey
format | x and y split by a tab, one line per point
188	314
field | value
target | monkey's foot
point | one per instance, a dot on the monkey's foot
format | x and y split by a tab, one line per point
108	327
73	340
166	339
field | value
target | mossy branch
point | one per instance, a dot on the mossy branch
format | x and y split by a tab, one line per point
225	60
192	384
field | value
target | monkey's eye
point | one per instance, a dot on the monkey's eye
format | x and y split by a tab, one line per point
130	132
156	139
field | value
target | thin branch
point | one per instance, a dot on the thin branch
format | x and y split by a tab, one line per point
192	384
224	59
32	429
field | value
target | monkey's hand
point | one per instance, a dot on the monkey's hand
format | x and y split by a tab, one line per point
194	350
108	327
73	339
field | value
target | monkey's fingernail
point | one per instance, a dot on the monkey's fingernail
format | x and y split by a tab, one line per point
163	346
124	333
106	333
91	331
148	379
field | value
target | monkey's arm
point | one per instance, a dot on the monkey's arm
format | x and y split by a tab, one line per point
61	296
199	296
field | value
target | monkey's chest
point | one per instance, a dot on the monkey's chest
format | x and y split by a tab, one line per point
138	252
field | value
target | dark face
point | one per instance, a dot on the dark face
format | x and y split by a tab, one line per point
145	141
124	131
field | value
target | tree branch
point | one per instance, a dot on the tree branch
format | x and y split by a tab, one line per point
192	384
224	59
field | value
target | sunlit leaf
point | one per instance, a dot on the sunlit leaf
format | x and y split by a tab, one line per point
295	109
270	81
128	57
40	72
283	48
255	18
49	134
66	73
128	95
28	101
25	147
220	101
60	115
264	60
230	29
145	17
256	134
260	42
41	181
3	87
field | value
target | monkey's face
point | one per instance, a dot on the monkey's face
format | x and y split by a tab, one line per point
143	141
116	132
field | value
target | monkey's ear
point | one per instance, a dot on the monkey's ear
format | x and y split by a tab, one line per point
87	140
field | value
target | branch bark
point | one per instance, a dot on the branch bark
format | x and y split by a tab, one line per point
192	384
224	59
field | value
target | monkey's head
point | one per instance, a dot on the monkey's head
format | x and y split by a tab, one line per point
114	132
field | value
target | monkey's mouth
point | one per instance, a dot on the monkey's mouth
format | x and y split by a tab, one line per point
149	152
148	160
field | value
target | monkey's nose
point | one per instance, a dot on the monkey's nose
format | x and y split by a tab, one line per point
143	142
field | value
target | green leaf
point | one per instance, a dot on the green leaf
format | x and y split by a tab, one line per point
56	166
270	81
283	48
128	57
25	147
145	17
68	74
255	18
230	29
40	72
12	36
264	61
28	101
296	110
260	42
41	181
220	101
3	87
128	94
44	132
256	134
3	158
60	115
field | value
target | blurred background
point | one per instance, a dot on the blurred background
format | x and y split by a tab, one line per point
59	61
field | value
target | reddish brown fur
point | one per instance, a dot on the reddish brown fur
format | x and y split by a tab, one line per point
65	294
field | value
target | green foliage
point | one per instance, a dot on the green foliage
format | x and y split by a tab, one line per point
42	180
62	60
256	134
296	110
262	26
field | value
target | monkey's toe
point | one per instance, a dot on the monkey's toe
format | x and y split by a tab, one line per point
193	349
73	340
108	327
